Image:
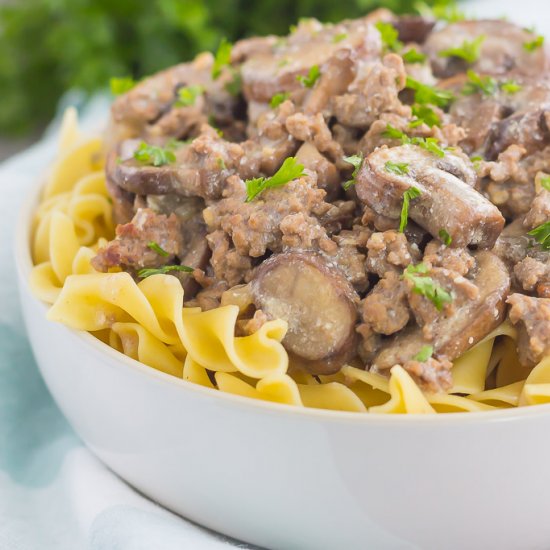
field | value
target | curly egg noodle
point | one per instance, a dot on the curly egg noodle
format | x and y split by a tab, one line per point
148	321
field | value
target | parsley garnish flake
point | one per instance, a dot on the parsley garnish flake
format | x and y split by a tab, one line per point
426	286
121	85
309	80
542	235
411	193
147	272
398	168
279	98
155	247
188	95
290	170
469	51
355	161
153	155
222	58
424	354
445	237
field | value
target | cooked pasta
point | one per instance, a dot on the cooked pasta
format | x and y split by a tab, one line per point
149	321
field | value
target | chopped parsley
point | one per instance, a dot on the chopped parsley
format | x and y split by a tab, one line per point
424	354
235	85
222	58
188	95
409	194
545	182
310	79
477	83
542	235
279	98
414	56
398	168
445	10
153	155
424	115
339	37
290	170
446	239
389	35
511	87
121	85
469	51
355	161
426	286
155	247
476	161
221	163
424	94
430	144
534	44
147	272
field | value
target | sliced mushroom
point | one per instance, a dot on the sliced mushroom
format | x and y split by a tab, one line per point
447	200
316	301
531	316
311	44
413	28
469	323
501	51
200	168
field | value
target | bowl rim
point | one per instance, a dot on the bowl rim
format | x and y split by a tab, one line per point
24	265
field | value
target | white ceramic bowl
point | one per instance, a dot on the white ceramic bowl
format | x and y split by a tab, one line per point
283	477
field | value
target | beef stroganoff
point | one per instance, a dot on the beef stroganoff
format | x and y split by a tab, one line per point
353	217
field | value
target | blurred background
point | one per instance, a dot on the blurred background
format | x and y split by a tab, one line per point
48	47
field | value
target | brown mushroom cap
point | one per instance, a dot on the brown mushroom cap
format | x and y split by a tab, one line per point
447	201
469	323
316	301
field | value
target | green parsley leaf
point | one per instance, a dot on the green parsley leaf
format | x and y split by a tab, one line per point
153	155
424	354
398	168
339	37
426	286
188	95
542	235
476	161
477	83
534	44
235	85
158	249
311	78
121	85
290	170
445	237
430	144
355	161
444	10
389	35
222	58
424	115
429	94
414	56
221	163
143	273
510	87
469	51
393	133
279	98
409	194
545	182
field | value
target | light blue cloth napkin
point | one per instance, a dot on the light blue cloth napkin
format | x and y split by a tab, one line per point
54	494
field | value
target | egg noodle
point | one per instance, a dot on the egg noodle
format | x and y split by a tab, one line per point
148	321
